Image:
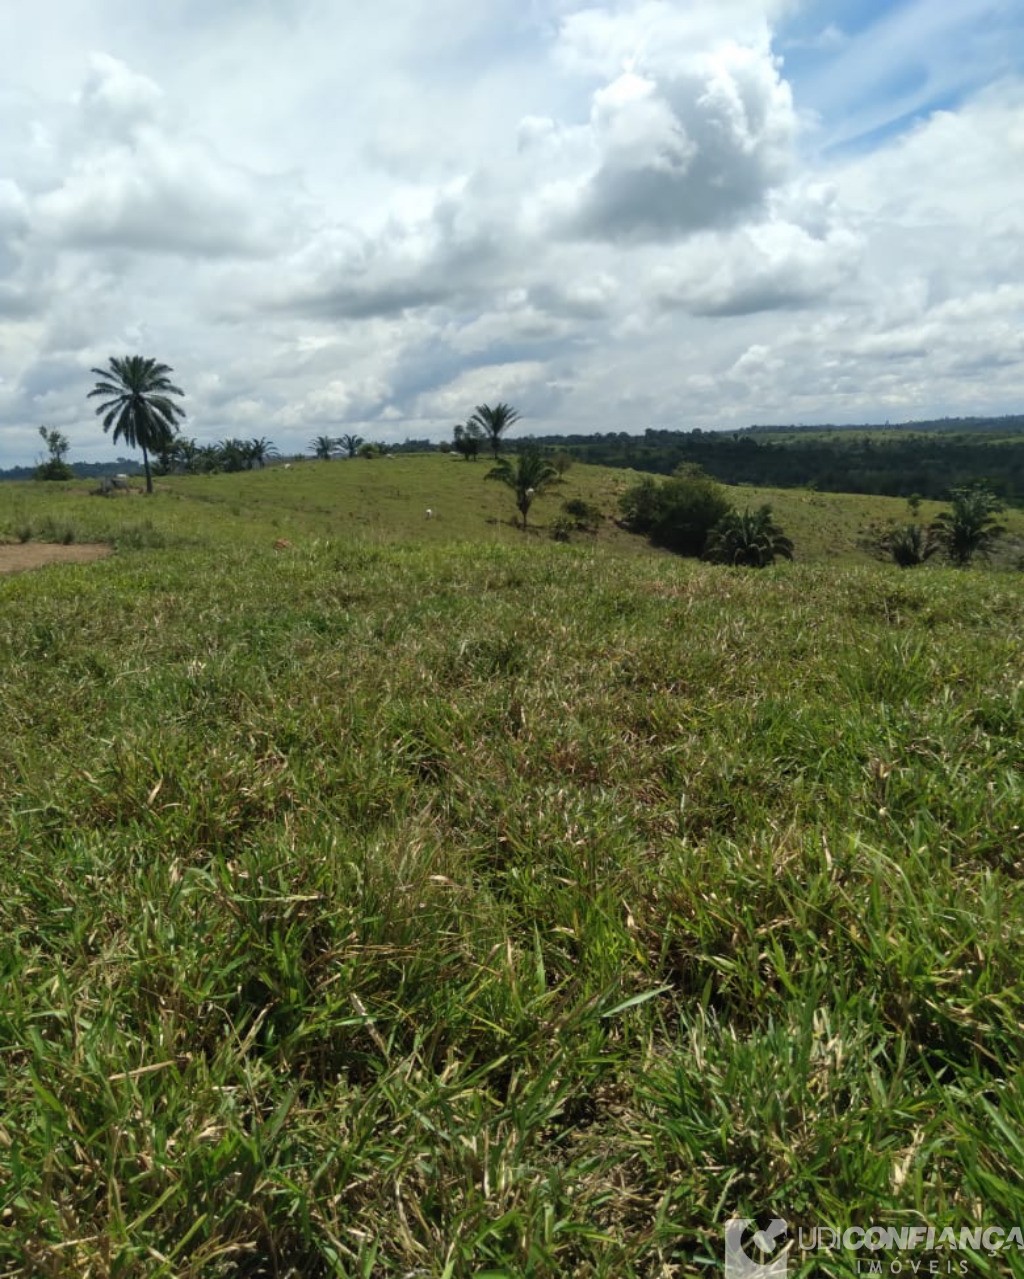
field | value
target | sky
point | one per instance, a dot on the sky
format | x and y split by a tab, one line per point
330	217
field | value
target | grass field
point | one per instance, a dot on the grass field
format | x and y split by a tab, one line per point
423	898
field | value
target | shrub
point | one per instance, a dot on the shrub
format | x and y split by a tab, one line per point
677	513
751	538
562	528
908	544
583	517
54	469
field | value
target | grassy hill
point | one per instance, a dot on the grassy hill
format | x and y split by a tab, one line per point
385	500
420	897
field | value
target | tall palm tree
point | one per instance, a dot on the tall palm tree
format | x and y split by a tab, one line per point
494	422
351	444
323	447
970	528
528	479
751	538
137	404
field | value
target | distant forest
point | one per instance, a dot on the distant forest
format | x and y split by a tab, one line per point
83	470
924	458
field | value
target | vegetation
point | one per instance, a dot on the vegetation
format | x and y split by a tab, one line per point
57	446
493	423
259	452
920	458
909	545
750	538
137	394
585	516
468	439
529	478
187	457
324	447
419	898
969	528
351	444
678	513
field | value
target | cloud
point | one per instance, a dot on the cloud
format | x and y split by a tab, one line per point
772	266
613	214
134	181
522	382
684	137
701	149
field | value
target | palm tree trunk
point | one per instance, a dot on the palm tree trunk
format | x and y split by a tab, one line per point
145	463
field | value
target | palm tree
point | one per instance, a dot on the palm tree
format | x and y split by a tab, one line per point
528	479
970	528
751	538
259	451
186	454
233	455
351	444
165	457
207	458
323	447
137	404
494	422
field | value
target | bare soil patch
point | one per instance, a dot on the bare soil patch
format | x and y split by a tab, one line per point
25	555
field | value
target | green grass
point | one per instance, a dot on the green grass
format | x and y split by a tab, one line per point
422	898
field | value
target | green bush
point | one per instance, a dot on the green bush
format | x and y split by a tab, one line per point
54	469
562	528
750	538
677	513
583	517
908	544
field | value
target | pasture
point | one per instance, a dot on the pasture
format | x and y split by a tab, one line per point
385	896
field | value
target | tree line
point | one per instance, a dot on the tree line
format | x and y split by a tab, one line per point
892	463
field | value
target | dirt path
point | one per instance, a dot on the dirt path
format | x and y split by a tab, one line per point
24	555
